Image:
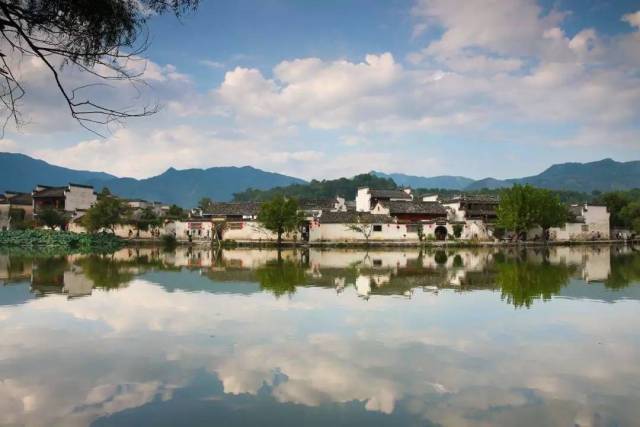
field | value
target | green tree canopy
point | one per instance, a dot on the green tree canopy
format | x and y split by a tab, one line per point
145	219
280	215
206	204
522	207
52	218
105	214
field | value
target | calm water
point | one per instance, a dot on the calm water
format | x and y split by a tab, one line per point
336	337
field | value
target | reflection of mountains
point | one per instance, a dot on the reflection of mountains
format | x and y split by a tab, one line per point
522	276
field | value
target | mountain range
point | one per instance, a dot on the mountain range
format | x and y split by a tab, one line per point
19	172
601	175
182	187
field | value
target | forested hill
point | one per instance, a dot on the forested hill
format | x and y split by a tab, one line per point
348	187
344	187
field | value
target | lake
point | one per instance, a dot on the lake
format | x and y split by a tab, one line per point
482	337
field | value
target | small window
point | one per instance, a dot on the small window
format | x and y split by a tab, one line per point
377	227
585	227
377	263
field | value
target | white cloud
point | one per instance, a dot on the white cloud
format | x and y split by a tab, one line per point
632	19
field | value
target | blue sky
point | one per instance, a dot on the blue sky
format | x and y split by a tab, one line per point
321	89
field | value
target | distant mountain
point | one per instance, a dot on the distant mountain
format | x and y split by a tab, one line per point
21	173
443	181
183	187
602	175
186	187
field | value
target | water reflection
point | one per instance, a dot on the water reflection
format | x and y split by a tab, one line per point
521	276
246	337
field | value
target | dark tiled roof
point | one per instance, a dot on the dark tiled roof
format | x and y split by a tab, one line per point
71	184
481	212
431	208
474	198
352	217
22	199
233	209
322	204
50	192
389	194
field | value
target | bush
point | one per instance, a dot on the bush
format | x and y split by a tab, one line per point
60	239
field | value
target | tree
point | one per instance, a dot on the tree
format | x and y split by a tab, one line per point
98	37
145	219
457	230
516	210
52	218
175	212
549	211
365	229
630	216
205	204
615	203
105	214
280	215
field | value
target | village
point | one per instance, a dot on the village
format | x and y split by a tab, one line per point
375	216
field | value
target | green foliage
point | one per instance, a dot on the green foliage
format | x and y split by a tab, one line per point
457	230
522	281
206	204
105	272
523	207
549	210
175	212
58	239
52	218
19	221
345	187
146	219
281	277
105	214
630	216
280	215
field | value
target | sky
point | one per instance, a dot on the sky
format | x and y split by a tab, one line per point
324	89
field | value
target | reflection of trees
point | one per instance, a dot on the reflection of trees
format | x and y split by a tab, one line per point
281	277
625	269
49	271
105	272
522	281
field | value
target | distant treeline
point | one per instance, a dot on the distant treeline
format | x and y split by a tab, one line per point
325	189
348	187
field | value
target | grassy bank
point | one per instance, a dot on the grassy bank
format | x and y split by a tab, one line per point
59	239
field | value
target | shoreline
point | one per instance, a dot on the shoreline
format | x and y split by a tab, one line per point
386	244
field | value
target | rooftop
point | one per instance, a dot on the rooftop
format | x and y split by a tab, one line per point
50	192
233	209
352	217
390	194
415	207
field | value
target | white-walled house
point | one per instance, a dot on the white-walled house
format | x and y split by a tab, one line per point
72	198
367	198
591	223
194	230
